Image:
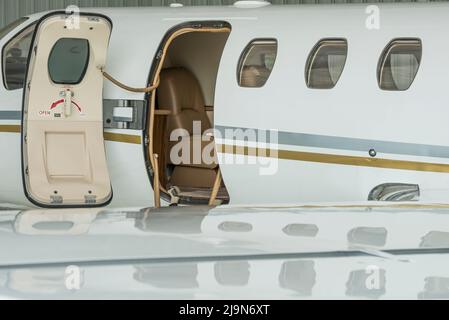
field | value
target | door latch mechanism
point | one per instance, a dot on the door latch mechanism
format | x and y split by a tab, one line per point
67	95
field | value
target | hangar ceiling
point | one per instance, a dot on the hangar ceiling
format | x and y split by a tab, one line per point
10	10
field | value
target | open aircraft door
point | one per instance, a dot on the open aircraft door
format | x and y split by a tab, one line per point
63	153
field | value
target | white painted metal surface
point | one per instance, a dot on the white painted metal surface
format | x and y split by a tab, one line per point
238	253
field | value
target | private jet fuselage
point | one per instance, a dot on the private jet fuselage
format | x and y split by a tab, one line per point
304	104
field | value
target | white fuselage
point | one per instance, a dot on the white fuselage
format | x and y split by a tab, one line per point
324	136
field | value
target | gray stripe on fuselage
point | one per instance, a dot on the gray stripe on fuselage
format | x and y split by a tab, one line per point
353	144
10	115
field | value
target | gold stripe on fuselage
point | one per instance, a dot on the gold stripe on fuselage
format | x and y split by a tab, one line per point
9	128
291	155
124	138
108	136
335	159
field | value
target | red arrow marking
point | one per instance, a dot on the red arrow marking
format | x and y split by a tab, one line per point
56	103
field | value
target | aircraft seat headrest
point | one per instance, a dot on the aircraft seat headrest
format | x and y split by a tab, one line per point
254	76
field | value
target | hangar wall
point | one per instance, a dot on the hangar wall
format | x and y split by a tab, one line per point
10	10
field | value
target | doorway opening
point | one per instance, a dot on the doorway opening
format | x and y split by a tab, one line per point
181	149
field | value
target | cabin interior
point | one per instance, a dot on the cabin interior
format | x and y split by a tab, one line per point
185	95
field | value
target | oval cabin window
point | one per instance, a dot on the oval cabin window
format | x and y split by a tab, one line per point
68	61
256	63
399	64
326	63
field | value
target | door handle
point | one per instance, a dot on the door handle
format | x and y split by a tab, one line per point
67	94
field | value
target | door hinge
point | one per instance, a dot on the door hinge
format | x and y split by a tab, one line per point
124	114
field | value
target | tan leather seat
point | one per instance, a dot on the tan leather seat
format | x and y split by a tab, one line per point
179	92
254	76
